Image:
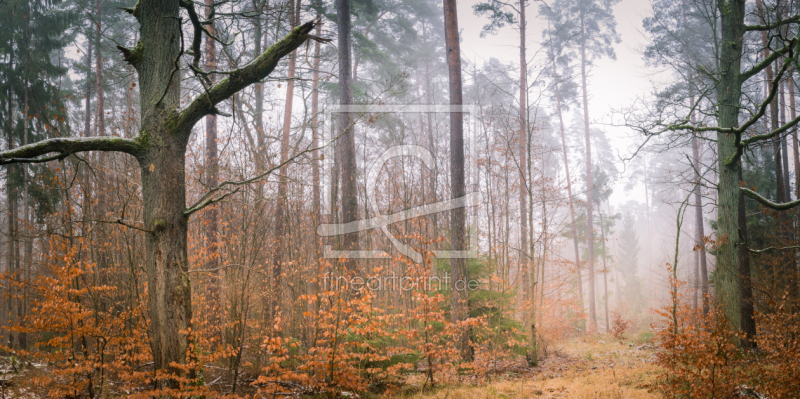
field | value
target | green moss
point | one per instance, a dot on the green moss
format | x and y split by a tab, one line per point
172	123
144	139
160	224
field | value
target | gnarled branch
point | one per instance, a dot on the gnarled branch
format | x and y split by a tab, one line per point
769	204
242	77
43	151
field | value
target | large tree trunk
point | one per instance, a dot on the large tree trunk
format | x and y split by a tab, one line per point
164	188
729	93
589	184
458	189
748	324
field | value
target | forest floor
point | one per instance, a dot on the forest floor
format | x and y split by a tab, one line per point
599	367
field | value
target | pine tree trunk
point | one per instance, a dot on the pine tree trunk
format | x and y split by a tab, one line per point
605	267
527	294
315	201
346	142
569	188
589	184
457	183
12	211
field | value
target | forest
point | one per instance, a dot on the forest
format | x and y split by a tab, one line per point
399	199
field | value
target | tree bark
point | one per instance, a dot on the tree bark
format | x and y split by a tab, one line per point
748	324
315	201
458	189
729	93
527	295
346	142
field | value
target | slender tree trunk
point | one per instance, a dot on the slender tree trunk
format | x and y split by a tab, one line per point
259	94
527	292
281	219
457	184
605	266
589	183
431	141
212	180
98	58
12	209
347	143
701	268
87	130
569	188
315	201
773	108
787	190
699	231
795	143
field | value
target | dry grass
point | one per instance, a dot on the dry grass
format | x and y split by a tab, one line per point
579	368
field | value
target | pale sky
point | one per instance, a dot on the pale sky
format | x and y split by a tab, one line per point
613	84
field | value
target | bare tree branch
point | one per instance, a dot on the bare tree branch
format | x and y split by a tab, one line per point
766	202
65	146
238	79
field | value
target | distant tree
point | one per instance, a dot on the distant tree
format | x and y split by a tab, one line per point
592	23
632	295
499	15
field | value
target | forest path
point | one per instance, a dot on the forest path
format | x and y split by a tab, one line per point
583	368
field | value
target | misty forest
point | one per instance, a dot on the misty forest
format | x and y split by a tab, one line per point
399	199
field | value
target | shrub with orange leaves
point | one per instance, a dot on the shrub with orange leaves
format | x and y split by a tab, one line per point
702	356
619	324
